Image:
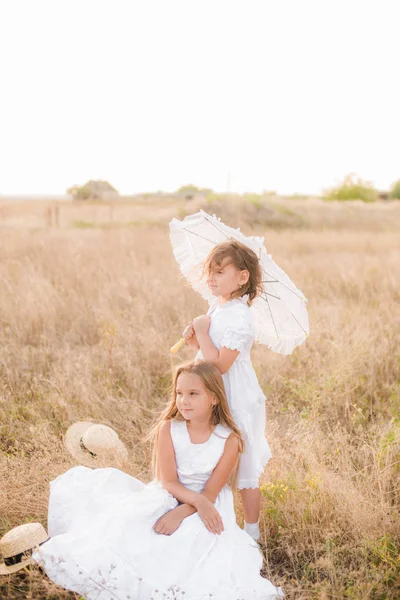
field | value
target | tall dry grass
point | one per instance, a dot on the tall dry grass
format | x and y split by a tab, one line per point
86	321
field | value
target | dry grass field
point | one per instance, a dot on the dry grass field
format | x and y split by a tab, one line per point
88	310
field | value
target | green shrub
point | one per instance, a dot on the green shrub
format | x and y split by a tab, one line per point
352	188
193	190
79	192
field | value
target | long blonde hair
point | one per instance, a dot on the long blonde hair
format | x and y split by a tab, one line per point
212	380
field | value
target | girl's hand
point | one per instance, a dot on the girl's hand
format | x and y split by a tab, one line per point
168	523
188	332
209	515
201	324
190	337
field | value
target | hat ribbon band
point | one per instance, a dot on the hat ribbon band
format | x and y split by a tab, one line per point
17	558
85	449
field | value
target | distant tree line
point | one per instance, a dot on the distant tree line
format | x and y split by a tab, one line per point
351	188
355	188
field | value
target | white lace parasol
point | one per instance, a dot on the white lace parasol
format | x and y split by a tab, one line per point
279	313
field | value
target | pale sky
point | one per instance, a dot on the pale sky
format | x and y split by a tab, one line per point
285	95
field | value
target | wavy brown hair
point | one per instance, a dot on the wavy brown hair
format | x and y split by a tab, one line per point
244	259
212	380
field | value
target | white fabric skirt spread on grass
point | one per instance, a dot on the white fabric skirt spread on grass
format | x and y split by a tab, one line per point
103	545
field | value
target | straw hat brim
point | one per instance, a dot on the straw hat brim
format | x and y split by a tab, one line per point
7	570
72	441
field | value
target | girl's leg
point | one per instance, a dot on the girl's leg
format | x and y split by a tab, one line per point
251	499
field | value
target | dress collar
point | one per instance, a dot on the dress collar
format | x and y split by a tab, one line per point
242	300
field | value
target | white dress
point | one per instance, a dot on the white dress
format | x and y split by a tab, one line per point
231	326
103	545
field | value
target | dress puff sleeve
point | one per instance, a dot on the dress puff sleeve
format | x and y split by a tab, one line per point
239	335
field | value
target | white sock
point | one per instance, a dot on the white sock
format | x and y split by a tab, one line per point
252	529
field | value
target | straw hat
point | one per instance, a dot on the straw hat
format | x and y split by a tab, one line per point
95	445
16	542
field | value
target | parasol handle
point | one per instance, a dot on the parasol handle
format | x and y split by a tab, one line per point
176	347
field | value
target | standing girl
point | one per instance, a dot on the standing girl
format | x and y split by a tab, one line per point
225	336
112	537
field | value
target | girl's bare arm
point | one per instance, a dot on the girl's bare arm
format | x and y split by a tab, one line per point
222	358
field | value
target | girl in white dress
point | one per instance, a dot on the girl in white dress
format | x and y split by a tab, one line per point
112	537
225	336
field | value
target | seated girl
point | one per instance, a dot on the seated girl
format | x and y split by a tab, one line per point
113	537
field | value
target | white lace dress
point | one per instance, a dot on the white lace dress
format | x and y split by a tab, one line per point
231	326
103	545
